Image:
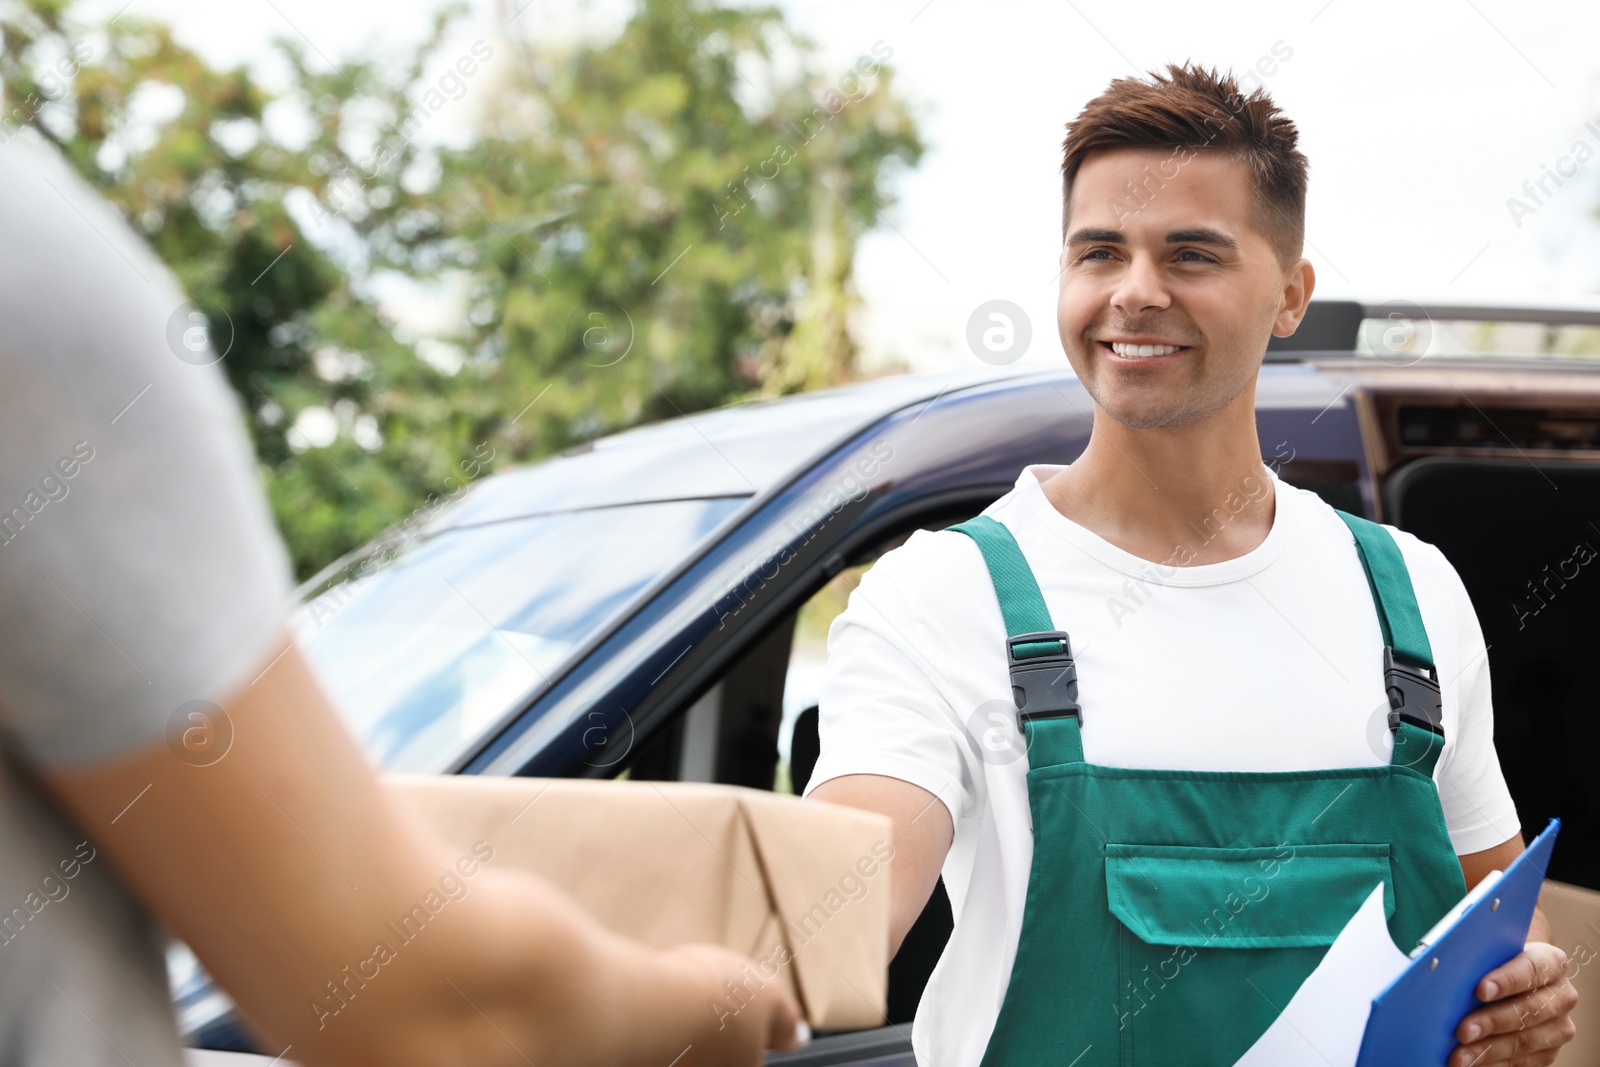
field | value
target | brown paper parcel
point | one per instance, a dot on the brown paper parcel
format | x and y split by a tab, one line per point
800	887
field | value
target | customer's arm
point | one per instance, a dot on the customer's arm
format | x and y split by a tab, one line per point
140	572
282	863
921	839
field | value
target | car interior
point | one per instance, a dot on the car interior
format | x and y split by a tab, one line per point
1504	485
1525	560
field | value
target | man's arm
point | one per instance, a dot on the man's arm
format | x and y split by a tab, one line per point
920	839
283	864
1529	1000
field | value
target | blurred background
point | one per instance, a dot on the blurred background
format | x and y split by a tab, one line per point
433	241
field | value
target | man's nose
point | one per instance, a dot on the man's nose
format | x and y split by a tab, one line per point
1141	287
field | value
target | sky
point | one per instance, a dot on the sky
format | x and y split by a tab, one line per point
1422	120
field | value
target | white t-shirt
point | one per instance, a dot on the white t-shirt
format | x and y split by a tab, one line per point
1268	662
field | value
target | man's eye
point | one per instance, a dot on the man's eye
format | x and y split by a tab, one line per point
1200	256
1090	254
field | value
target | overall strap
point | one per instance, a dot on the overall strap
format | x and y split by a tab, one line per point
1044	680
1409	675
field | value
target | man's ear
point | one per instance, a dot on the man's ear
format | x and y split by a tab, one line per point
1297	288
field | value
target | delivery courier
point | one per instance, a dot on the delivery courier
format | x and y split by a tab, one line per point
1160	719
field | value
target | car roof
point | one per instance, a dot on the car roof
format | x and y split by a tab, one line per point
741	450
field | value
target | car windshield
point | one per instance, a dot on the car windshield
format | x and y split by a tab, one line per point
426	648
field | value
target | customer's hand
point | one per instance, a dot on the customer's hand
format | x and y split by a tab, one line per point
1527	1015
747	1006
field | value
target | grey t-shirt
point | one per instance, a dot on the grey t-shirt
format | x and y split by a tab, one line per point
139	572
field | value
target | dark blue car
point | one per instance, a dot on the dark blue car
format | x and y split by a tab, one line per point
655	602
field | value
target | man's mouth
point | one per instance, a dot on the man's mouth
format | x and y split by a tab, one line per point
1130	351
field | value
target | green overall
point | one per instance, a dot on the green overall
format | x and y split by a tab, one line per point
1172	914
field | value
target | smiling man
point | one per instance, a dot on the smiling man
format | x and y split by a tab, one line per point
1143	872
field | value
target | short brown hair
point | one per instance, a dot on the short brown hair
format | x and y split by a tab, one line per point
1195	108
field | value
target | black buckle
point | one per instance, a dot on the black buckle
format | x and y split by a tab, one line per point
1413	694
1043	686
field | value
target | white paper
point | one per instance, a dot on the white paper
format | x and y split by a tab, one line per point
1324	1021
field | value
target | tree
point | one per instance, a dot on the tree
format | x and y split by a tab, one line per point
659	223
654	224
183	150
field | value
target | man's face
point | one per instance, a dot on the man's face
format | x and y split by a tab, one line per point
1183	266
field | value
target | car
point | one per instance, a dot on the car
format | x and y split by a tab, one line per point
654	603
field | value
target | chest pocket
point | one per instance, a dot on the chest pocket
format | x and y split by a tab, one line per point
1195	925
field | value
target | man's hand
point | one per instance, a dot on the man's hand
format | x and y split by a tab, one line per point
1528	1014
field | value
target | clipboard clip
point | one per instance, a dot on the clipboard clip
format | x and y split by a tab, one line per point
1475	894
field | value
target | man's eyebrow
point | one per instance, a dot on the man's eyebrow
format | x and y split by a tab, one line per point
1086	236
1200	235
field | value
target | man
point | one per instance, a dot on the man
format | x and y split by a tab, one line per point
1116	898
139	573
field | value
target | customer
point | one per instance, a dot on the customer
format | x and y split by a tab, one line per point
140	572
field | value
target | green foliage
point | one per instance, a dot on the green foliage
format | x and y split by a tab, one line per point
654	224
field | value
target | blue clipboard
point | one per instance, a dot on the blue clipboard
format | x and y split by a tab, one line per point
1413	1022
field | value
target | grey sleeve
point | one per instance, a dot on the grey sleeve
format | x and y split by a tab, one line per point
139	565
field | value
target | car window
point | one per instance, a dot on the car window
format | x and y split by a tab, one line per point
808	660
741	729
426	648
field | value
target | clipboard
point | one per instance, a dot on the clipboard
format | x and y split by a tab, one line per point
1413	1021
